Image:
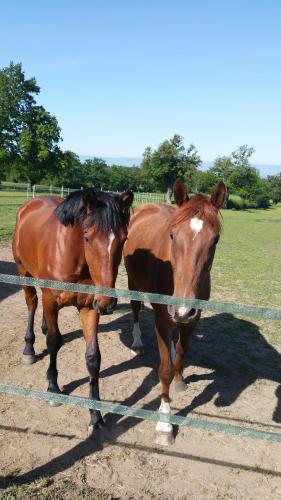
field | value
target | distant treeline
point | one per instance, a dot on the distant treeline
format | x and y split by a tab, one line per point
30	152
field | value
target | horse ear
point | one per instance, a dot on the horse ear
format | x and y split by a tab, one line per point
218	195
180	193
90	199
125	200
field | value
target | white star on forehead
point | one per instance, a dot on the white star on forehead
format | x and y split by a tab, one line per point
196	226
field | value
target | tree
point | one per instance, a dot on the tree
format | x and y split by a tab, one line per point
95	173
223	167
66	170
241	156
246	182
205	181
28	133
170	161
274	187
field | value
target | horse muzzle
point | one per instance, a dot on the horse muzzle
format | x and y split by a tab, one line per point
104	309
182	314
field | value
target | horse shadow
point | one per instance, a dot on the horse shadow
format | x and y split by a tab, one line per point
232	349
238	355
7	289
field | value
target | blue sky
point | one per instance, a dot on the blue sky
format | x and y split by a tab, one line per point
122	75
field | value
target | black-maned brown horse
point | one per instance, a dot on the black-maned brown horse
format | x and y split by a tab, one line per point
78	240
170	250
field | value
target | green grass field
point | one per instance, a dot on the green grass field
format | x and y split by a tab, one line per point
248	257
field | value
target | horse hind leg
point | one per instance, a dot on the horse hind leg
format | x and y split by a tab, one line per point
137	345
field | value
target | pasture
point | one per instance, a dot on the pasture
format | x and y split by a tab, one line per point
233	371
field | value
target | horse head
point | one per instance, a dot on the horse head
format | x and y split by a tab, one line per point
104	219
194	232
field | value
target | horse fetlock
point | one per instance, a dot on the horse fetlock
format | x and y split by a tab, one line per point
96	422
53	388
164	430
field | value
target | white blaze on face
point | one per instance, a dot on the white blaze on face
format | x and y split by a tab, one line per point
196	226
110	241
164	426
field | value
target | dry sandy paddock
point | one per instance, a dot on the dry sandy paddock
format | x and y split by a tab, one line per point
231	379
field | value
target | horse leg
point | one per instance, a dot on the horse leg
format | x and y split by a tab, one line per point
44	326
185	335
90	321
53	340
137	345
28	356
164	431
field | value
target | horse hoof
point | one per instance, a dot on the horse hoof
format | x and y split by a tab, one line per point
137	351
164	438
179	386
28	359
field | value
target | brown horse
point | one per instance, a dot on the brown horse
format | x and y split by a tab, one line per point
77	240
170	251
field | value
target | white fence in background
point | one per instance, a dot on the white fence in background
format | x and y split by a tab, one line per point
18	193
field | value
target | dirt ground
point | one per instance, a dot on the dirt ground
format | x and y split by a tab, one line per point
233	376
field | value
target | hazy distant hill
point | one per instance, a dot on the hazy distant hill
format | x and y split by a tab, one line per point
130	161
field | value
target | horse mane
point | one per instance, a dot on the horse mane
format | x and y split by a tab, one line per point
199	206
106	215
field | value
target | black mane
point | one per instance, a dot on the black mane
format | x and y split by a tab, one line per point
107	214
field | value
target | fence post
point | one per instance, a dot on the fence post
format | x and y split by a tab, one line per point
51	189
33	190
27	193
62	191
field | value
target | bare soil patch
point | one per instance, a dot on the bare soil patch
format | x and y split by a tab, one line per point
233	375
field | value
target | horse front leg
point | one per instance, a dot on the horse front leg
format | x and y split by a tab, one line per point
185	334
53	340
90	321
164	328
28	355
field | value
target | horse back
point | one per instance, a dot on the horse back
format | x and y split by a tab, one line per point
40	242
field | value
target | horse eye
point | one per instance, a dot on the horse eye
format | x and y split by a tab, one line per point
171	236
86	238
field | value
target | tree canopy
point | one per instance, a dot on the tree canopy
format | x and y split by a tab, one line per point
29	135
169	161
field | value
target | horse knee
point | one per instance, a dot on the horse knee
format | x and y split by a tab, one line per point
54	341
